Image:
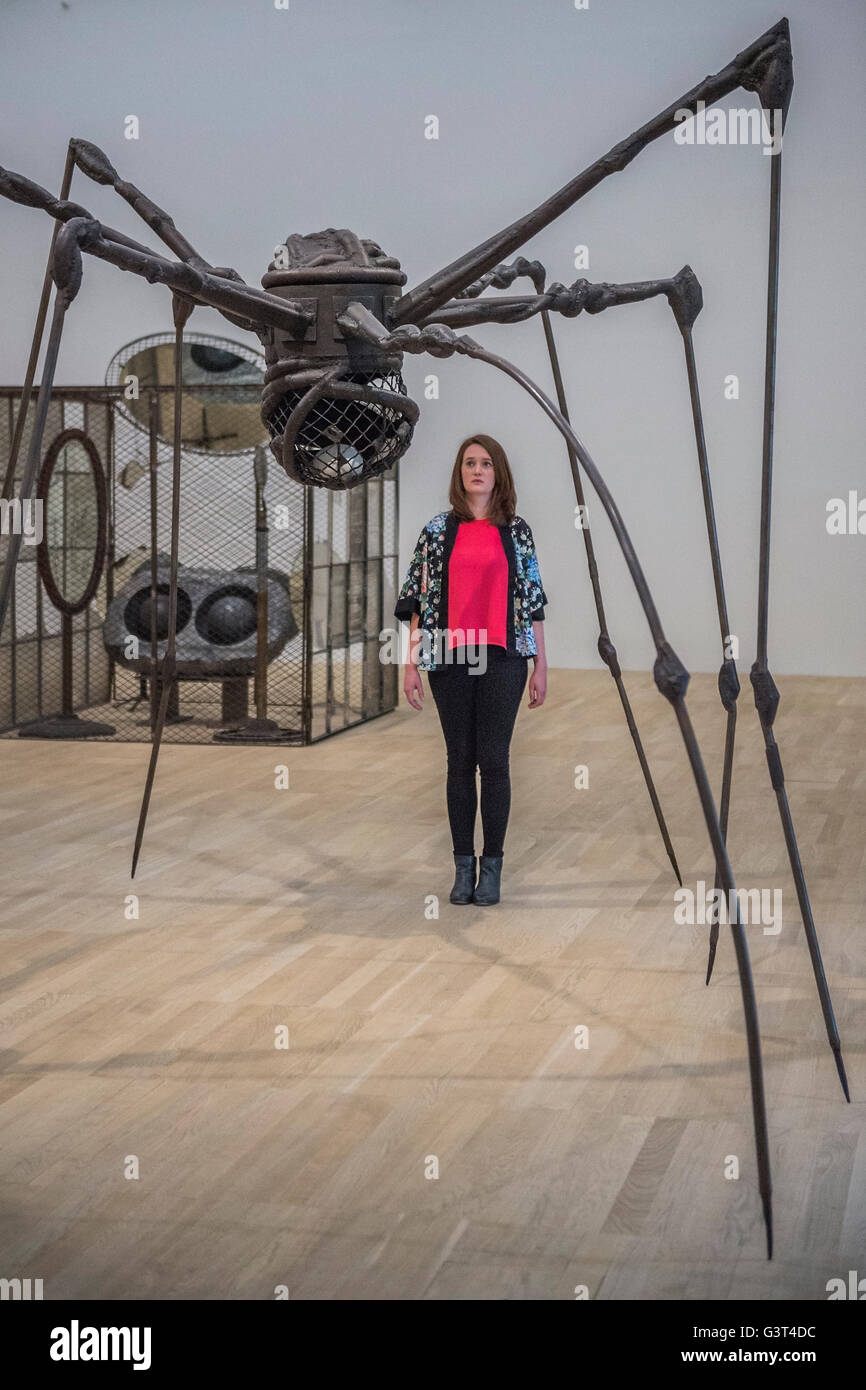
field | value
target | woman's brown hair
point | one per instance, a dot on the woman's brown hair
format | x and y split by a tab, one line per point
503	499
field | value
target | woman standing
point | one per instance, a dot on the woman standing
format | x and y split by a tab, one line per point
474	594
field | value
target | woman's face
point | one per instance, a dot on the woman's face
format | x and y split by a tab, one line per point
478	473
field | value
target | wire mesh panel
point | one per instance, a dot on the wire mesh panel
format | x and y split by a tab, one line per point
331	571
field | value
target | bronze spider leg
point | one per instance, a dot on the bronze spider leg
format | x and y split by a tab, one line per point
568	300
592	298
166	670
93	162
766	694
764	67
764	687
670	675
686	311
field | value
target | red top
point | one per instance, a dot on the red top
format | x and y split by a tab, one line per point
477	586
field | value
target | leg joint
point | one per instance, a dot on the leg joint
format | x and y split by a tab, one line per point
729	684
766	694
670	674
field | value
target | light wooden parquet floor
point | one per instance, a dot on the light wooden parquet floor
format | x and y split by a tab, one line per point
431	1131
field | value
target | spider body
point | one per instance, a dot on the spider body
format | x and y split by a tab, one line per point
364	423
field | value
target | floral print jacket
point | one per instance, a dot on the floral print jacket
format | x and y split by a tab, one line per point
425	588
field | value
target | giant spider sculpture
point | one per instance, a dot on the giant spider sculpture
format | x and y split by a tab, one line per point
335	325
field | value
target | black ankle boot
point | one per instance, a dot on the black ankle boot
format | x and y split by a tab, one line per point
487	887
464	879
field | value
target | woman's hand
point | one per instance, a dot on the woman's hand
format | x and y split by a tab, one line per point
538	679
412	687
538	684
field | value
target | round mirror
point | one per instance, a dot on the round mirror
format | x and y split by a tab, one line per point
220	413
72	495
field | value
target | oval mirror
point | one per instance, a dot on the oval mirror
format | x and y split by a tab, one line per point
72	494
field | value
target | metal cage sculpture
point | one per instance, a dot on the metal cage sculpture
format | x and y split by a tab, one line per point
334	327
338	549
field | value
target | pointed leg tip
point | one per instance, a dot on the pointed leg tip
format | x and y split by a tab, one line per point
768	1226
840	1067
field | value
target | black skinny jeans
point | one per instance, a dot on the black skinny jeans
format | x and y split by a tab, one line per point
477	714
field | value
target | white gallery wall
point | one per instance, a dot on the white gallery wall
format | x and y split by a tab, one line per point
256	121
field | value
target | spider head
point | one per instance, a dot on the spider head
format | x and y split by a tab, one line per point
336	408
